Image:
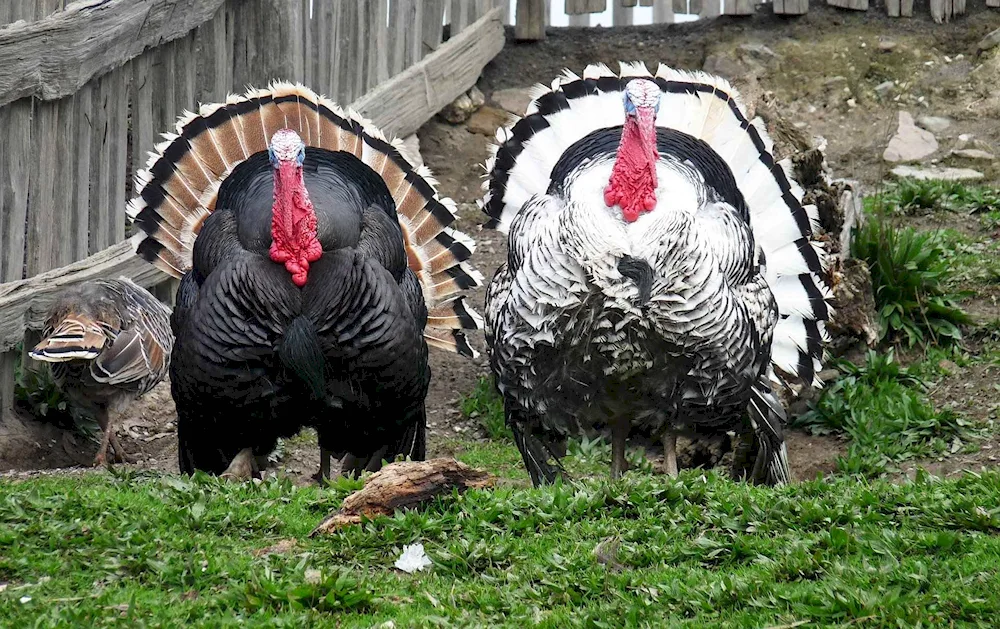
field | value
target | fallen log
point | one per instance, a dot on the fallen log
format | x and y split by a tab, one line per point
404	485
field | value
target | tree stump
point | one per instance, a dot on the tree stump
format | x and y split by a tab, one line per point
404	485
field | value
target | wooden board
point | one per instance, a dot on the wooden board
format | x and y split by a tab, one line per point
433	27
55	56
791	7
80	223
941	10
23	304
529	19
40	246
436	81
854	5
579	7
738	7
17	150
663	12
993	3
906	8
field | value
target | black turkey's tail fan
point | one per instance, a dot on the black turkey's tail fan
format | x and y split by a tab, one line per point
767	417
178	190
705	107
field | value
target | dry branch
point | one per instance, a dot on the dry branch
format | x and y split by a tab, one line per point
402	104
402	486
55	56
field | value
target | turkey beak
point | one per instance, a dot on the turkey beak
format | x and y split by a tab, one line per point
639	272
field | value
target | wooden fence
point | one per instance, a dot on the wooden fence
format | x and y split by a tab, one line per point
86	87
532	16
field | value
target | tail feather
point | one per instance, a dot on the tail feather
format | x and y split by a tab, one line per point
767	417
75	338
705	107
179	187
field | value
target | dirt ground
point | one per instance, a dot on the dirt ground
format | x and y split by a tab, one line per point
823	68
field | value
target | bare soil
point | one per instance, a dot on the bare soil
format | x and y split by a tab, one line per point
822	67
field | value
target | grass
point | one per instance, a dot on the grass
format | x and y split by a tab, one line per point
701	551
484	405
882	407
909	271
912	195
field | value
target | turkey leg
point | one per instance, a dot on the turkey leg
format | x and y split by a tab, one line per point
324	464
102	452
242	467
619	433
670	453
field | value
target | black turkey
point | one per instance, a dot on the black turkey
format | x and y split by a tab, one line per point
660	264
310	251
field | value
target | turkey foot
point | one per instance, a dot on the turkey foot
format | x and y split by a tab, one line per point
619	433
324	465
109	438
670	453
243	466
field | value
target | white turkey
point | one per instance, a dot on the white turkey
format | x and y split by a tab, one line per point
661	269
317	266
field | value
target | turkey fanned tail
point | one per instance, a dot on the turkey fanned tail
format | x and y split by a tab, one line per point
180	185
707	108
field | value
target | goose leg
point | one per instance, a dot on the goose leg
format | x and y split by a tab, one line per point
619	434
670	453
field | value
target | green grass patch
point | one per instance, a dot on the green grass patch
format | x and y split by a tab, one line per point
700	551
883	408
909	271
485	406
912	195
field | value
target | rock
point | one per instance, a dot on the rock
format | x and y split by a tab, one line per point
725	66
411	150
884	88
459	110
974	154
946	174
514	100
477	97
989	42
910	142
934	124
886	45
760	52
487	120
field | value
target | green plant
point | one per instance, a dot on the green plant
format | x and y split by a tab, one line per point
36	393
918	194
882	407
485	405
908	268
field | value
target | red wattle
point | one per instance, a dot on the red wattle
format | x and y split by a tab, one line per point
294	240
632	185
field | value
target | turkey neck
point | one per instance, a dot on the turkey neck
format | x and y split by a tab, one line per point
294	241
633	178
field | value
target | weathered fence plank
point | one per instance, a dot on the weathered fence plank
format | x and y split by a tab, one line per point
530	20
80	222
436	81
854	5
16	149
791	7
55	56
41	212
433	25
738	7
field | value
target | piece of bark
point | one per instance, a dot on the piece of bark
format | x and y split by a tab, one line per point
404	485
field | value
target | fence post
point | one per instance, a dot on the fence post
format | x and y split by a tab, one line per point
530	20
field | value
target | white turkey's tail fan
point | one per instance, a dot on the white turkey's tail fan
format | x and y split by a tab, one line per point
707	108
182	178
